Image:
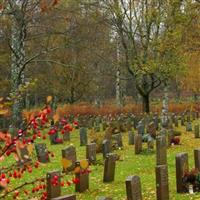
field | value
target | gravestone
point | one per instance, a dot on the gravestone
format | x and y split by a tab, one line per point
138	143
118	139
197	158
196	131
176	121
183	120
151	130
106	147
66	197
83	136
91	152
129	124
189	126
53	190
23	155
156	122
83	178
42	152
141	127
131	138
133	188
135	122
109	167
161	150
66	136
162	186
181	169
69	154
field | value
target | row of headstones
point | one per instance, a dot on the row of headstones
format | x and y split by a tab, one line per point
133	121
133	186
54	192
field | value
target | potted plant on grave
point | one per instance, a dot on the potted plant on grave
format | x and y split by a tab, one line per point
191	180
175	140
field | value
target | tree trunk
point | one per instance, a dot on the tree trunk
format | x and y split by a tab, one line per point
145	103
165	100
118	89
17	61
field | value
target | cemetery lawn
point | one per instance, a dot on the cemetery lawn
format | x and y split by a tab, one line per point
142	165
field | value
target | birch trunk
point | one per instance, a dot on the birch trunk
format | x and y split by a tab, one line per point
18	35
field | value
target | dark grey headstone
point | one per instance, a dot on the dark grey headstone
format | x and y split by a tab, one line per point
196	131
141	128
197	158
109	167
106	147
91	152
131	138
69	153
162	185
83	136
189	126
118	139
83	178
133	188
181	168
66	136
53	191
42	152
138	143
161	150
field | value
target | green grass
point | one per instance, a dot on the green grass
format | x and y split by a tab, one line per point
130	164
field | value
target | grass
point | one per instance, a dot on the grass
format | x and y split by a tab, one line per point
142	165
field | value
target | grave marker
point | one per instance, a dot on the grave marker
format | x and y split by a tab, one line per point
83	136
69	154
161	150
133	188
42	152
181	169
131	138
83	177
109	167
91	152
162	186
138	143
53	190
197	158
